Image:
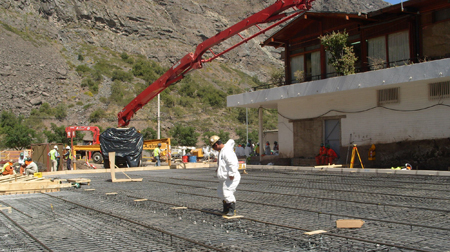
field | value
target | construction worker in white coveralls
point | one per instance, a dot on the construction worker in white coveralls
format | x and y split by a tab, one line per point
227	173
53	154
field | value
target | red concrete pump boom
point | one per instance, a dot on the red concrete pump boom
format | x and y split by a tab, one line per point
192	61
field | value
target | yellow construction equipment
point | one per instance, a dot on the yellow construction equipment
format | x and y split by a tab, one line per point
198	153
352	161
148	145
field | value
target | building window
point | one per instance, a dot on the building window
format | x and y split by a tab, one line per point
386	96
439	90
313	66
377	52
297	64
398	48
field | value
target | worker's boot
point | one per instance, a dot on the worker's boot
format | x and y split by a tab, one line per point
226	207
232	210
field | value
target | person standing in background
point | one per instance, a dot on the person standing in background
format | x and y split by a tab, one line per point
53	155
157	154
68	157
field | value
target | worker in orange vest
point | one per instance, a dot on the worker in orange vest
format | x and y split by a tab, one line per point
8	168
331	155
321	155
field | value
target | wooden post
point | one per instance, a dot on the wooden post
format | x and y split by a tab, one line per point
112	165
169	151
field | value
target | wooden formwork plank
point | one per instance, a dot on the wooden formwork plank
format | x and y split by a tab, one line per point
233	217
18	178
128	180
35	185
6	208
30	191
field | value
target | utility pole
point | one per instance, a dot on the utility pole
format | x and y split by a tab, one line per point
246	122
159	122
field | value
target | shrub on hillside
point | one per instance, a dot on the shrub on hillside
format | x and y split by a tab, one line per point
46	109
167	99
122	76
117	92
60	111
97	115
147	70
83	69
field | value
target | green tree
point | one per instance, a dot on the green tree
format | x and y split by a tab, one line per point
14	132
342	56
56	134
185	136
18	137
149	133
8	119
242	133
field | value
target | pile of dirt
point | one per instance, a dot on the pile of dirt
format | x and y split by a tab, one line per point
82	165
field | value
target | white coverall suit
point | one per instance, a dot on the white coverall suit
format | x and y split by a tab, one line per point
228	165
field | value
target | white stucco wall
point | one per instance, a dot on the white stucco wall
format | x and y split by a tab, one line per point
374	126
285	137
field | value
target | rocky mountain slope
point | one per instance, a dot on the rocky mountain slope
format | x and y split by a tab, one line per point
43	41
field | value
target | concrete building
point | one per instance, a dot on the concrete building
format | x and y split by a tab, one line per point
399	100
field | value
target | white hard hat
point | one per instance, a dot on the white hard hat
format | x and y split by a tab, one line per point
68	148
213	140
55	147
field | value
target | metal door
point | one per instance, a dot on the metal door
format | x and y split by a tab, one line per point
333	135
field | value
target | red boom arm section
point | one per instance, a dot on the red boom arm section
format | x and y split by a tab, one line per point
192	61
70	131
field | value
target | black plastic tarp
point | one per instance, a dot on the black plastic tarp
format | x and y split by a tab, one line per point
126	143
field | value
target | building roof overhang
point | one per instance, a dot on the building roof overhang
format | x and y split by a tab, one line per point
280	37
433	71
411	7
